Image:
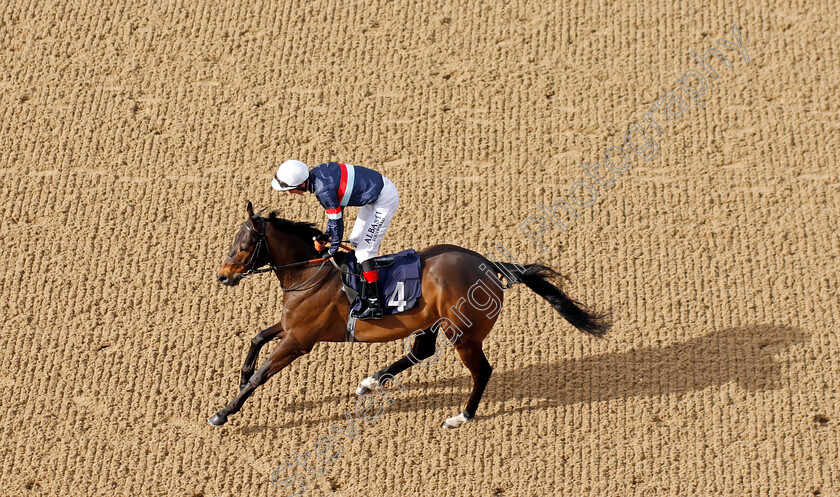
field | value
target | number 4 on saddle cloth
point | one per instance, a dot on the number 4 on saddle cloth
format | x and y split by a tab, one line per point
399	280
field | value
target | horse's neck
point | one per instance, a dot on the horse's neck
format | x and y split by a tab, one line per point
286	248
295	249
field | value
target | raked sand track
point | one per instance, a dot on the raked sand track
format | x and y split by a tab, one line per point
133	133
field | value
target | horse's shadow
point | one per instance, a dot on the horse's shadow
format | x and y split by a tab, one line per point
747	355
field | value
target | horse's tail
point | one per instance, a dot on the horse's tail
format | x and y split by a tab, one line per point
539	279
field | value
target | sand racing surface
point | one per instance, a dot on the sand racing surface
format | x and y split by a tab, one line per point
132	135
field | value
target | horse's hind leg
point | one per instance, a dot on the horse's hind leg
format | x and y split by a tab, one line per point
257	344
286	351
423	348
474	359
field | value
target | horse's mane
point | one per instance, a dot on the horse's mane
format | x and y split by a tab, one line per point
298	228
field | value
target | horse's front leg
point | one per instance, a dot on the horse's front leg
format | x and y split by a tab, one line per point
286	351
257	343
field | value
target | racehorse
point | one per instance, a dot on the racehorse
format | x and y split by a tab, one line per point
315	309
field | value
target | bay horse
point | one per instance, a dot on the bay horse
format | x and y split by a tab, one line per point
315	309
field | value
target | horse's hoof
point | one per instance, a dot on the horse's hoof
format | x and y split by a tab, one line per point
367	385
217	420
455	422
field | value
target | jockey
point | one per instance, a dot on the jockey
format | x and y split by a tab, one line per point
336	186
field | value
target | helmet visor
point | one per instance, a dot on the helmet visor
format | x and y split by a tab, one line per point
277	184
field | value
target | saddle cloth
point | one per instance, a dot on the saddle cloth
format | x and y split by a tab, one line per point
399	283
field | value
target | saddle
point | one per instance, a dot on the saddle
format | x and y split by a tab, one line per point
399	282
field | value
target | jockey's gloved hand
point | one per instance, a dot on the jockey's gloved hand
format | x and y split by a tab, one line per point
320	242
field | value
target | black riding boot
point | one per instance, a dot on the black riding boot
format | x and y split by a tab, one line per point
372	306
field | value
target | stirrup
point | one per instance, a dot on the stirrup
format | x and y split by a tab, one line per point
373	310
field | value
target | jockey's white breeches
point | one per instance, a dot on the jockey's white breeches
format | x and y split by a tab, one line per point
373	220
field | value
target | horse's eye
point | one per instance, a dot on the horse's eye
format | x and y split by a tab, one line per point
243	248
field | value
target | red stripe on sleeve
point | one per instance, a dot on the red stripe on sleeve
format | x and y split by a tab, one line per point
343	183
334	211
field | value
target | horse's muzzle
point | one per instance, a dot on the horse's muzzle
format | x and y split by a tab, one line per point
229	280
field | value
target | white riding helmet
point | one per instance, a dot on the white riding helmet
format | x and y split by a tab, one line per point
290	175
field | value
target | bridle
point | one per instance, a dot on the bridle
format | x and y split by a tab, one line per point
251	262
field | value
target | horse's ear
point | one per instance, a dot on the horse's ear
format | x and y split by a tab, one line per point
251	217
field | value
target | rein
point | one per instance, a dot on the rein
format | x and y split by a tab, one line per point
285	266
252	260
322	260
